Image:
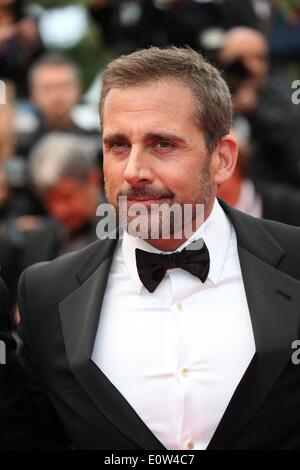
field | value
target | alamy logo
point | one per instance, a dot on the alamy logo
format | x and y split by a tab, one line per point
2	353
296	94
151	222
2	92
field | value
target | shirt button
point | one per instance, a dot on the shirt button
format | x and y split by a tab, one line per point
184	372
190	445
179	307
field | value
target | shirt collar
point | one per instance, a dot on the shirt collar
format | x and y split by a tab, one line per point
215	231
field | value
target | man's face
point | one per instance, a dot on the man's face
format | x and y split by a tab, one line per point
153	150
55	91
71	203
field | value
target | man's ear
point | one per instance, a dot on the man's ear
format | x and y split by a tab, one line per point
224	159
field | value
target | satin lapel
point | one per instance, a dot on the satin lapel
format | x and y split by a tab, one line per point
80	313
273	299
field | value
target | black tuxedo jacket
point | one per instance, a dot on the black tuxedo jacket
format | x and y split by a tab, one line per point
60	304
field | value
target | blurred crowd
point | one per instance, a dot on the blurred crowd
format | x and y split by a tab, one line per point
50	153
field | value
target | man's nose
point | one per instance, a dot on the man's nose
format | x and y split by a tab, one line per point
138	168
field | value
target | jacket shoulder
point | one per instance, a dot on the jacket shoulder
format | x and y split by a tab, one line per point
288	236
57	278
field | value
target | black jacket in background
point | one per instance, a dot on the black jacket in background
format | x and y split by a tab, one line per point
180	25
19	425
279	202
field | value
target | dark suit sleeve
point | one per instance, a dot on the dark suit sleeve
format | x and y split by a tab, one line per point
44	410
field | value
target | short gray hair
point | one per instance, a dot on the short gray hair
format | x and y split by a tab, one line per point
56	156
213	105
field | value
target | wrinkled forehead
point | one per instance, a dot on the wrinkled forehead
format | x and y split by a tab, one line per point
164	99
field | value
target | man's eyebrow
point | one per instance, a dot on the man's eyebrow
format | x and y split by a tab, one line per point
164	136
114	137
148	137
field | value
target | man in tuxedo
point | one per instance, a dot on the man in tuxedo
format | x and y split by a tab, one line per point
182	340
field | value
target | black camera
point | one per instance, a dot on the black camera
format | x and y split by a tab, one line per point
235	74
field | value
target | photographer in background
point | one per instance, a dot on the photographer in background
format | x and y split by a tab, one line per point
65	180
15	205
264	102
264	199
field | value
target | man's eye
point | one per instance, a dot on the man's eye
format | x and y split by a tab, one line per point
163	145
116	146
119	145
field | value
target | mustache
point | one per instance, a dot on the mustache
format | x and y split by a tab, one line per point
146	192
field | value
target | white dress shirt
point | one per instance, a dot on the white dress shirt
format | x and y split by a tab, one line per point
178	354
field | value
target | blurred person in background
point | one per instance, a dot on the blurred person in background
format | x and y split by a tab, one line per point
68	183
15	204
55	90
20	43
260	198
7	122
16	198
264	102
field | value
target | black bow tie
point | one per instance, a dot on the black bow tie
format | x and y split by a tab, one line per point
153	266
